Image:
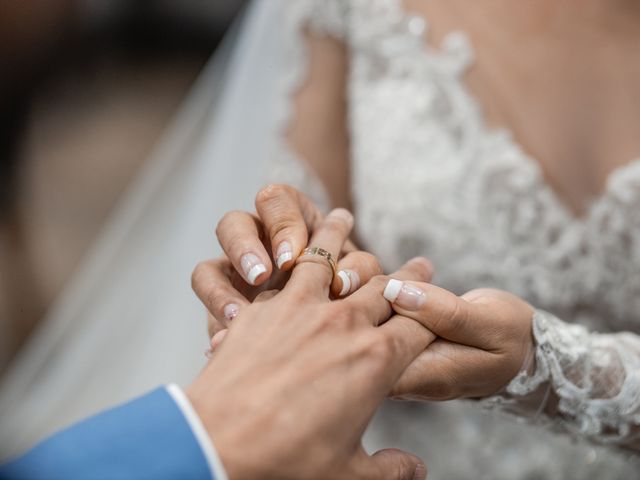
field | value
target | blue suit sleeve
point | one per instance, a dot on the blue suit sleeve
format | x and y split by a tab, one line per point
147	438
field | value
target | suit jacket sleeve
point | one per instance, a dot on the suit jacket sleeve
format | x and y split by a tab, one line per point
151	437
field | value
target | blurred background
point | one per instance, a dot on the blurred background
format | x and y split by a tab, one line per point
86	90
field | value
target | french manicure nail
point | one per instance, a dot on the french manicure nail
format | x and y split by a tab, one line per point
350	281
284	254
231	311
404	295
252	267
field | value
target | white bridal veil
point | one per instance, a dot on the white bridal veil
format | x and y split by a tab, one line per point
128	320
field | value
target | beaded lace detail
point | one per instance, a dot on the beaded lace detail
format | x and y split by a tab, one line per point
431	178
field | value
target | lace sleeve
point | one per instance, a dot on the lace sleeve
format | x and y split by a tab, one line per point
320	18
585	383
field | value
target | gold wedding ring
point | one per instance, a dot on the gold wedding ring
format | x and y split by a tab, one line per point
322	253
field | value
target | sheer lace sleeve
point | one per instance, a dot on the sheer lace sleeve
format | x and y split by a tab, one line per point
583	382
312	97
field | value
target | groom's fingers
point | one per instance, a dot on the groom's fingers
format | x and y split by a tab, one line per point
211	282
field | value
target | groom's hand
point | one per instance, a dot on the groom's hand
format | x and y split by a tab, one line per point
292	389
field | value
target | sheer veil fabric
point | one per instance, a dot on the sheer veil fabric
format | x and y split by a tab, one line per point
128	320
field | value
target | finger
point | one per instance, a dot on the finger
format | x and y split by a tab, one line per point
354	269
407	339
313	273
369	300
211	282
392	464
240	236
288	217
444	313
448	370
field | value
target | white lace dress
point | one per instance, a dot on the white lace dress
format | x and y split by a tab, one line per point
430	178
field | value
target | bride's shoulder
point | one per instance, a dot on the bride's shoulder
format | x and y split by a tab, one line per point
323	16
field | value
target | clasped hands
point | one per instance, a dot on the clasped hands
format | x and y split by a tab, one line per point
303	358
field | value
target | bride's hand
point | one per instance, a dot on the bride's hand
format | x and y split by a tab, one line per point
260	250
484	340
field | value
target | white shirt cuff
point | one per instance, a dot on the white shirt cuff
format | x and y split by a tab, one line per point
204	440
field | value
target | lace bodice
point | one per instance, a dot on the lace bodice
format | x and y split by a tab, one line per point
429	177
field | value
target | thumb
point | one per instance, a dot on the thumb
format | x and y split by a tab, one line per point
394	464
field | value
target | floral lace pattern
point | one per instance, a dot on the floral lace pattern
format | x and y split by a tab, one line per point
596	378
429	177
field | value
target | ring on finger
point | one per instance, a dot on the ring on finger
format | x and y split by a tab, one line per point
321	252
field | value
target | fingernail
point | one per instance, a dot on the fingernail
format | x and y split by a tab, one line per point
252	267
231	311
343	214
404	295
350	281
284	254
420	472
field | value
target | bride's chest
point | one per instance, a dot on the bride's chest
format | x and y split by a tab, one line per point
430	178
568	104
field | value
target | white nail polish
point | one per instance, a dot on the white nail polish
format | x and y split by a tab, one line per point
252	267
284	258
255	272
392	290
284	254
346	282
350	281
231	311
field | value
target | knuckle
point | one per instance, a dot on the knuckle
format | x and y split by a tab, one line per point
297	294
452	317
283	224
214	295
379	347
342	316
227	221
271	192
